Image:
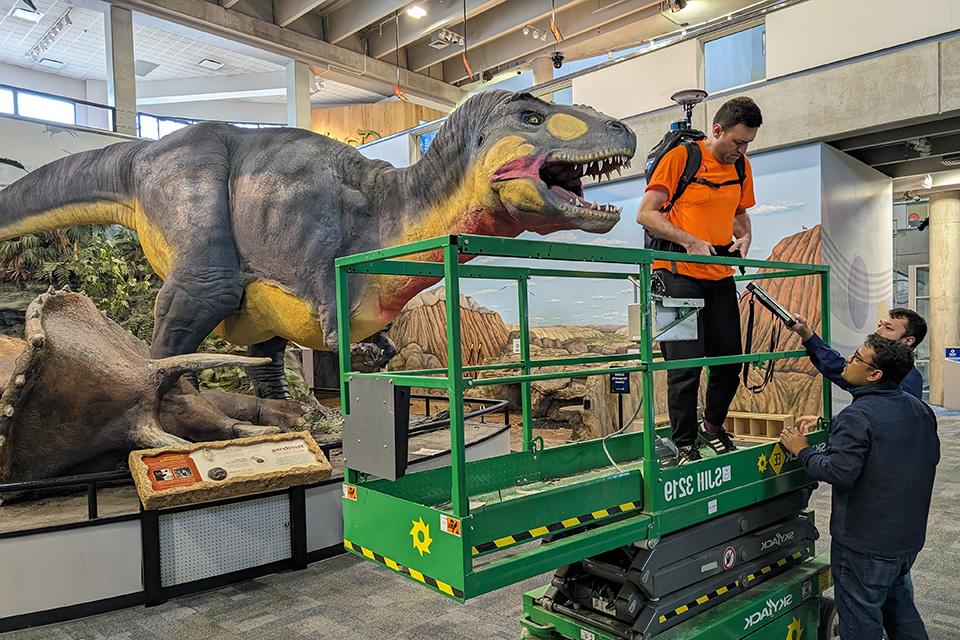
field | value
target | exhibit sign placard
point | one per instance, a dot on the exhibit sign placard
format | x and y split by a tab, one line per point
187	474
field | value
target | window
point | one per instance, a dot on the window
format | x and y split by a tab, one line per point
169	126
735	59
147	126
32	105
6	101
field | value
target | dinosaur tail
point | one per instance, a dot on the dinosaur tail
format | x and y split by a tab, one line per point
91	187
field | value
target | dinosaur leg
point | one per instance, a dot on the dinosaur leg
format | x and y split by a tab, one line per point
190	304
269	380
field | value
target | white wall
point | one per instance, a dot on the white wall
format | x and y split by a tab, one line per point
857	239
45	82
232	110
817	32
34	144
642	84
63	568
397	150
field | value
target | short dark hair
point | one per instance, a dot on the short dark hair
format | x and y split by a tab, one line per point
893	358
916	325
742	110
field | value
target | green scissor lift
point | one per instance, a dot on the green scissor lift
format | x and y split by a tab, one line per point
465	529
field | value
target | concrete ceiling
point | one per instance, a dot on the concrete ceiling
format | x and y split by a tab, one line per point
352	44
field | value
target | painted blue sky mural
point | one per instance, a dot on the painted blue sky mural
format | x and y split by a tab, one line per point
787	185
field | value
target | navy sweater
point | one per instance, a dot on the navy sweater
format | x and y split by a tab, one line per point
830	363
883	456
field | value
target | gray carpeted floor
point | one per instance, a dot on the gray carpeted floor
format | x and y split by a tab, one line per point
345	598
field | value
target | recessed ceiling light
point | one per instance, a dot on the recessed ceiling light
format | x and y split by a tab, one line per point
143	67
416	11
27	14
50	62
213	65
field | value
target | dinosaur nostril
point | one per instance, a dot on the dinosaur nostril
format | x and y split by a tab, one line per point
616	125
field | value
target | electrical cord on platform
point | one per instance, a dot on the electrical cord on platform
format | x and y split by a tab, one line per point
620	430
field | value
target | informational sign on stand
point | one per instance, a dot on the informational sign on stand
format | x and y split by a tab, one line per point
179	475
620	383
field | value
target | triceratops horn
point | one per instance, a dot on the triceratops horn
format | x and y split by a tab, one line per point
177	365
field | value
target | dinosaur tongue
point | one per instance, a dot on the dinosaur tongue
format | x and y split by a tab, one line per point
527	167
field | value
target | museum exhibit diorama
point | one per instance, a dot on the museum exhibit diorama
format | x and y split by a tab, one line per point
443	353
86	402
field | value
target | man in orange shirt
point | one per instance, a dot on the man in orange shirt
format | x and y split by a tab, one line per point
709	218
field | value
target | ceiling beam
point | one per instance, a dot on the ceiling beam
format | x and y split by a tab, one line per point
917	167
898	153
484	28
574	21
354	16
245	85
440	13
900	134
286	11
337	63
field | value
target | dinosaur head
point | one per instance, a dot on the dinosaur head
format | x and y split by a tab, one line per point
530	157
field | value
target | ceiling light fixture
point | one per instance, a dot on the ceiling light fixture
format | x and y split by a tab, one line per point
316	84
27	14
213	65
927	181
416	12
44	44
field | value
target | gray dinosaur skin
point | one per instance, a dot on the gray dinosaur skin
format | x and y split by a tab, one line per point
233	207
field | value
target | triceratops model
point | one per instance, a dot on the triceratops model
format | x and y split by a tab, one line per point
84	392
243	225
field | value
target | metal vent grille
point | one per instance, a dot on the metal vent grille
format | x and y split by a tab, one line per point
202	543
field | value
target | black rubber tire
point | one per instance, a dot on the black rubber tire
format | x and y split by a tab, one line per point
829	626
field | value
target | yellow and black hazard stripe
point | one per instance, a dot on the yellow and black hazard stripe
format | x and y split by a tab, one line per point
763	571
569	523
407	571
693	604
779	564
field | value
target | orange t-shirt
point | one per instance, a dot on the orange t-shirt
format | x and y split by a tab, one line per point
703	211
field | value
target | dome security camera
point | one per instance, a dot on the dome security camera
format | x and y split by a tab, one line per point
557	58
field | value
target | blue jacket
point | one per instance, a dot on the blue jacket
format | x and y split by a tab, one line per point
883	456
830	363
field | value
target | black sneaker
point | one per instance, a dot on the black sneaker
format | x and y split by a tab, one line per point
689	454
719	442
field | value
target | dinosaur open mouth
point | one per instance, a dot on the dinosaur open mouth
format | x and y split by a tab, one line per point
561	176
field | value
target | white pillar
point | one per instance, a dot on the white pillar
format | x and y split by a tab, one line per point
298	94
543	72
121	79
944	320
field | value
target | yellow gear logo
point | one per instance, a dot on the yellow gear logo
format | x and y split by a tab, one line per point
762	463
794	630
421	536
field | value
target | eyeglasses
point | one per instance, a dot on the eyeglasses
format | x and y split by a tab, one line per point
856	356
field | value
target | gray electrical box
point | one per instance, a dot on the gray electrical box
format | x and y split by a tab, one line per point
375	432
673	319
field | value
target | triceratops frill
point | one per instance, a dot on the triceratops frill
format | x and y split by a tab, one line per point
85	392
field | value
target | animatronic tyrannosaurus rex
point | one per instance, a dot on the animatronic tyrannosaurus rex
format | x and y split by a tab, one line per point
243	225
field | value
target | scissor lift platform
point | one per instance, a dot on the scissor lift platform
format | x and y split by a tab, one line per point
467	529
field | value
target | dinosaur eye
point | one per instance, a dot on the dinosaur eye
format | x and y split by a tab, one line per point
531	117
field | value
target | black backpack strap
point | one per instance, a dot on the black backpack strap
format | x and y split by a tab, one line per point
741	166
690	169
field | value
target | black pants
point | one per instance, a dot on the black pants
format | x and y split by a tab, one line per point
719	335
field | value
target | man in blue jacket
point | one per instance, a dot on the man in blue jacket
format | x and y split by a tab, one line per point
883	456
901	325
